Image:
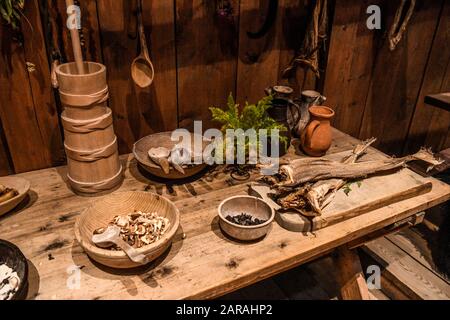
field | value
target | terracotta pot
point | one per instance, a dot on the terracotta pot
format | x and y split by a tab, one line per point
316	138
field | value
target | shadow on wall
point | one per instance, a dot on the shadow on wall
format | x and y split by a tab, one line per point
222	35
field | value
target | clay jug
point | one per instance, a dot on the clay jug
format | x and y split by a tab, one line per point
308	99
316	138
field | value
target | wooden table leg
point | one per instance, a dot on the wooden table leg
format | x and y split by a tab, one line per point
351	277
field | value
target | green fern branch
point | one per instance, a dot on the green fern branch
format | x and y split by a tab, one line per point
11	11
252	116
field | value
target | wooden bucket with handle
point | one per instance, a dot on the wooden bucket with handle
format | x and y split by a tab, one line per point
90	143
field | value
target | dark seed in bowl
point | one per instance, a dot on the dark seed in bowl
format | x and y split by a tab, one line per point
244	219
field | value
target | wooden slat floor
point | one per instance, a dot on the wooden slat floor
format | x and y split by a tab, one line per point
416	260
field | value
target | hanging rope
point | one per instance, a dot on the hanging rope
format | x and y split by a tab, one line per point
315	38
396	33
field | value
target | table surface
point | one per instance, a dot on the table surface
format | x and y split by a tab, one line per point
203	264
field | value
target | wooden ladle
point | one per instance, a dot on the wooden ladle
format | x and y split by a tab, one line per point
112	236
142	70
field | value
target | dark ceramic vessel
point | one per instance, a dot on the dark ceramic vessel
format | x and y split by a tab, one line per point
14	258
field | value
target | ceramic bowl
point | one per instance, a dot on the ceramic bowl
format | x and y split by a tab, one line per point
103	211
250	205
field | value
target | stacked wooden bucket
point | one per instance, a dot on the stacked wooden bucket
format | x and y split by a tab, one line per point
90	142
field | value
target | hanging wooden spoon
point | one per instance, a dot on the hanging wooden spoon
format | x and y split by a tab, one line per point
142	69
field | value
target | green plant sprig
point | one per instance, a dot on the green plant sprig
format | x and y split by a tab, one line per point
12	11
347	187
252	116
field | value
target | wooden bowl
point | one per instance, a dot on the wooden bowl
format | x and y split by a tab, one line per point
14	258
250	205
103	211
163	139
21	185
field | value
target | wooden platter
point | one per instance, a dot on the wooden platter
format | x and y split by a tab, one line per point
163	139
21	185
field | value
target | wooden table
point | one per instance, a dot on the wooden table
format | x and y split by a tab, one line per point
203	264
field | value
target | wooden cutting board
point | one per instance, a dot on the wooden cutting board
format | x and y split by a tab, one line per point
371	194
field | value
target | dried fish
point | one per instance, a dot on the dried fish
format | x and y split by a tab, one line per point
322	192
309	185
291	199
306	170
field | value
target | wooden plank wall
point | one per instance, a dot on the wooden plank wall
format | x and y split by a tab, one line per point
379	93
200	58
430	126
28	110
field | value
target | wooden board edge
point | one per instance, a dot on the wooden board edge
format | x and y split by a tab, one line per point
318	223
